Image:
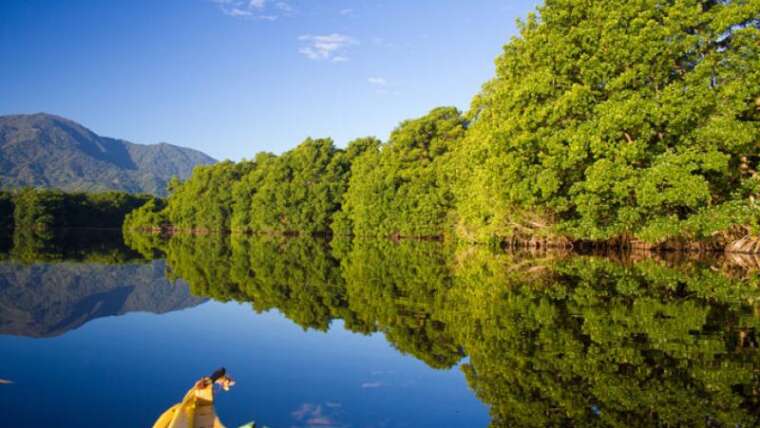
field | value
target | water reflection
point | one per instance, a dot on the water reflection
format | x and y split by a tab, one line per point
552	340
51	286
591	341
543	339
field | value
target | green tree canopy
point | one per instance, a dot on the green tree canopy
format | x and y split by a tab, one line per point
403	188
612	119
45	209
6	212
297	192
204	201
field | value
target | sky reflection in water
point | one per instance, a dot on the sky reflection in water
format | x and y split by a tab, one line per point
124	371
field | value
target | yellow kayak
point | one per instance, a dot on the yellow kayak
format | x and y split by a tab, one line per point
197	408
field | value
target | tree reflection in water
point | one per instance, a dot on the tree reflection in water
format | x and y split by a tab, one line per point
550	339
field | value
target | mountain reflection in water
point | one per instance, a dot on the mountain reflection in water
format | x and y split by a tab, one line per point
49	299
542	339
49	288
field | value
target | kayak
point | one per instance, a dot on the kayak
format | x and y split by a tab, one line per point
196	410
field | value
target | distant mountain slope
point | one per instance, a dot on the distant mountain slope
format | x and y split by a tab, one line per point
43	150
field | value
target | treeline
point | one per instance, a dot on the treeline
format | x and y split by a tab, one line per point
547	340
634	124
368	188
399	188
40	209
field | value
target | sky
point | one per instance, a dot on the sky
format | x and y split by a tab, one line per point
235	77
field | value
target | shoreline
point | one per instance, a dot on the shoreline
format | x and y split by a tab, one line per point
743	246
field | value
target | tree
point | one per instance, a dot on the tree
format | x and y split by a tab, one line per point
244	190
297	192
402	188
39	209
618	120
6	212
148	217
204	201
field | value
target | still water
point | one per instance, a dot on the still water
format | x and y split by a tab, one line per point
372	334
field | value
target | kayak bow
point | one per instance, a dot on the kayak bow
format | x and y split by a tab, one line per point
197	408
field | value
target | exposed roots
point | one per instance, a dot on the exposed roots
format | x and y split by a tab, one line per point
746	245
539	243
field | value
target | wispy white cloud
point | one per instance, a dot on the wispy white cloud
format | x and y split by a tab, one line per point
346	12
284	7
381	42
309	415
326	47
371	385
254	9
377	81
237	12
382	87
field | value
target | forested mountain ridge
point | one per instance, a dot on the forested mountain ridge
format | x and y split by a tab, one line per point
43	150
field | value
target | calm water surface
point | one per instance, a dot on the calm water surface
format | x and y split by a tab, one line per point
373	334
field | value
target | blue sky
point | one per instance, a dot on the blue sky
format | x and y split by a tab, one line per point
235	77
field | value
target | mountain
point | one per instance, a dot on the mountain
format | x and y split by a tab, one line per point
50	299
44	150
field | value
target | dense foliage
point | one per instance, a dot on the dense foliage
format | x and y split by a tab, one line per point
204	201
552	341
149	215
36	222
631	123
6	212
403	188
297	192
40	209
619	120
